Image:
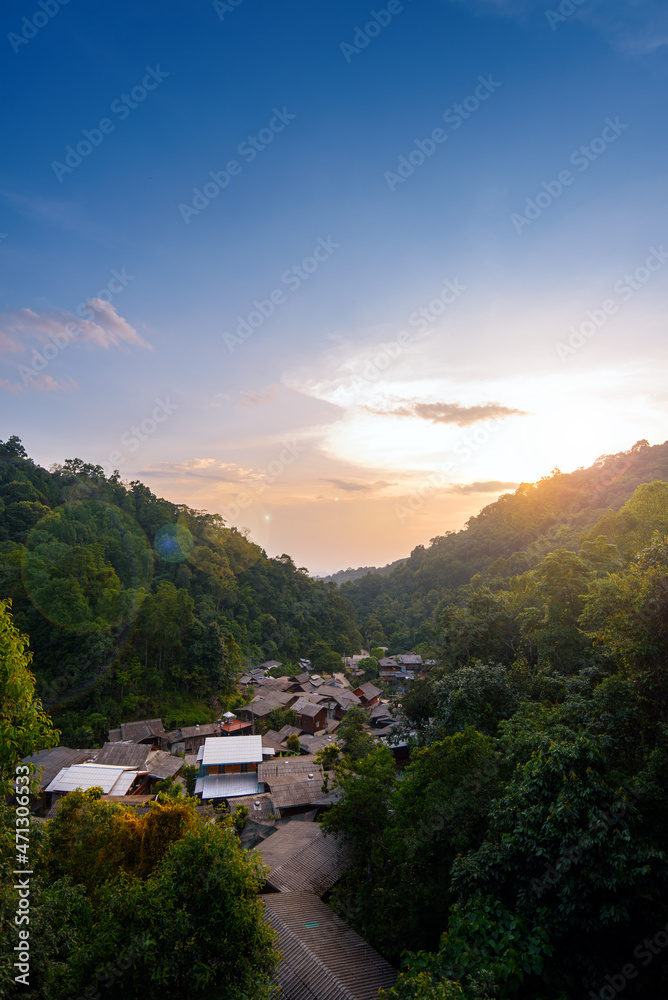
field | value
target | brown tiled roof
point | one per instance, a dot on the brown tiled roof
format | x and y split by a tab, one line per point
323	959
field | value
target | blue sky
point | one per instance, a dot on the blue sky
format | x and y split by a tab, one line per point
342	426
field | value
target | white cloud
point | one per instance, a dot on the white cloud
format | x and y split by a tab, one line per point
21	327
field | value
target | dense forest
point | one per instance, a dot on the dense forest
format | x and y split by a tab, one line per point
522	853
524	850
137	607
505	539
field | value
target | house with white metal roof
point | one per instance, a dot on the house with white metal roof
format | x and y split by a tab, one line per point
113	779
229	767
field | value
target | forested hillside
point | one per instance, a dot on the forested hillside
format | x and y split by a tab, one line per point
135	605
523	853
506	538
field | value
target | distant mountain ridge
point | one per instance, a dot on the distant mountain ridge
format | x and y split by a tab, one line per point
350	574
508	537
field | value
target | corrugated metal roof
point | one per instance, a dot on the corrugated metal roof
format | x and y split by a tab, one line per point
124	754
236	750
260	812
300	857
89	776
269	744
140	730
286	769
300	793
309	708
161	764
286	841
289	731
312	744
129	800
51	762
343	696
222	786
206	729
368	690
263	706
323	959
124	782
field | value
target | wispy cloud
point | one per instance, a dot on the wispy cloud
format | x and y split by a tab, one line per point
491	486
20	328
448	413
64	214
633	27
253	399
352	487
205	468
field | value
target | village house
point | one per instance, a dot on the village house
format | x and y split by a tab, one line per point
337	701
231	726
229	767
351	662
149	731
112	779
294	785
311	718
401	662
188	739
368	694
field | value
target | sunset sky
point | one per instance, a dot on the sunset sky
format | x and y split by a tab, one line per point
342	272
